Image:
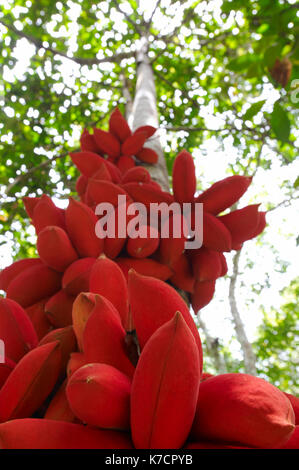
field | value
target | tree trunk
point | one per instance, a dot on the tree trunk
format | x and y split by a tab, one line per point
145	112
212	345
248	354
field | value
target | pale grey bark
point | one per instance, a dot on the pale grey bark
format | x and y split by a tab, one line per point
248	354
213	348
145	112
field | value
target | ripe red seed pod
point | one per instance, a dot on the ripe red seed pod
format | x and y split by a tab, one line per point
59	409
216	236
147	155
58	309
87	142
35	433
224	193
46	213
16	330
76	276
136	174
295	404
87	162
167	380
104	337
293	441
202	294
172	242
30	382
182	276
146	244
118	126
242	408
67	341
243	224
206	264
104	191
125	163
134	143
153	303
107	279
183	177
81	185
82	308
107	142
80	223
30	203
55	248
34	284
99	395
147	193
145	266
13	270
76	361
5	369
40	322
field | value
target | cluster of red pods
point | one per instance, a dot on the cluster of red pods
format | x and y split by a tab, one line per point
101	351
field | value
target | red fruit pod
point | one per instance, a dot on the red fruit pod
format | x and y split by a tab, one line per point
214	445
182	276
59	409
173	237
146	266
88	163
148	130
224	193
5	369
125	163
30	382
183	177
203	294
295	405
167	380
30	203
216	236
242	224
144	245
147	193
206	264
82	308
16	330
99	395
46	213
293	442
76	361
223	262
107	142
35	433
34	284
81	222
67	341
153	303
40	322
76	276
118	219
55	248
147	155
104	337
102	174
136	174
12	271
205	376
107	279
133	144
87	142
104	192
58	309
242	408
81	185
118	126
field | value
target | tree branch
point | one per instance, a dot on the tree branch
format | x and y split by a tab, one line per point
78	60
128	18
248	354
212	347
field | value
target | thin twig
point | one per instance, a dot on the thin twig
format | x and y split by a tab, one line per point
79	60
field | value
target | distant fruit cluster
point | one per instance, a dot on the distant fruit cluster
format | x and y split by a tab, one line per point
101	351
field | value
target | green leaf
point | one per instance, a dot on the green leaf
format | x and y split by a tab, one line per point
296	184
280	122
253	110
